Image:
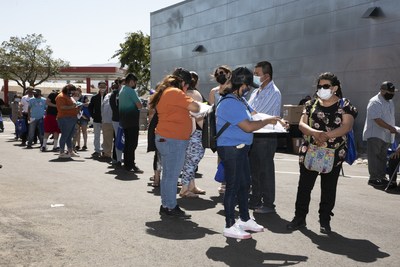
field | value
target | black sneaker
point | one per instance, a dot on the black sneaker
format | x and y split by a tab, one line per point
136	169
175	212
117	164
296	224
393	185
42	149
96	154
163	211
378	182
325	228
253	206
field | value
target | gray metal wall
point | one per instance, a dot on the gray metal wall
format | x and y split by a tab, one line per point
301	38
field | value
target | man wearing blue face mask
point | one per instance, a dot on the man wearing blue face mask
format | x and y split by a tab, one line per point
266	99
378	129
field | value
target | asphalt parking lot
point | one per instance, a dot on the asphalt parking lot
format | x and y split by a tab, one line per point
82	212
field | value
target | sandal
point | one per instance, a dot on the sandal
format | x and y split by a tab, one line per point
156	180
188	194
197	190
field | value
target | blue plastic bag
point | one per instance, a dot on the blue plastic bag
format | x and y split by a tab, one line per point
120	139
351	155
21	126
220	175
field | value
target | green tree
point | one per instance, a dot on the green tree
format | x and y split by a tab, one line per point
135	54
28	61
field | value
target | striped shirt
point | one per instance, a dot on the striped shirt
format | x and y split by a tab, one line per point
267	100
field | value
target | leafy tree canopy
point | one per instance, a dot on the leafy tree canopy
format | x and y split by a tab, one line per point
135	54
28	61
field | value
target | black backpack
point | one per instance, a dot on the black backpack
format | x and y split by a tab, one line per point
209	131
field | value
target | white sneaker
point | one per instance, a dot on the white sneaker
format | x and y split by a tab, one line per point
250	225
64	156
73	154
236	232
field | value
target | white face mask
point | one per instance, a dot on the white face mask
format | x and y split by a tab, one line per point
257	80
324	94
17	99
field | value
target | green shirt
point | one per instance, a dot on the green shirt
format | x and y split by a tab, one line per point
128	112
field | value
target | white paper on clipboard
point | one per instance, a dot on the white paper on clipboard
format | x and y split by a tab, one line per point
269	128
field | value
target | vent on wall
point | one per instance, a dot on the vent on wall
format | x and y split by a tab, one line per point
372	12
199	48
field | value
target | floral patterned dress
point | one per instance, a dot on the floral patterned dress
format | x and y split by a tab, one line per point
327	119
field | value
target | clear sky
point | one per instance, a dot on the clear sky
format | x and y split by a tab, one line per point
83	32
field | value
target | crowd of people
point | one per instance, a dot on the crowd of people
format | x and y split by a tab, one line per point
175	136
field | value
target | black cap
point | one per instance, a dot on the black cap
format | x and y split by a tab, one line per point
388	86
183	74
243	75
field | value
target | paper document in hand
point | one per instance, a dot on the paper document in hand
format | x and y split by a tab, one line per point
269	128
203	109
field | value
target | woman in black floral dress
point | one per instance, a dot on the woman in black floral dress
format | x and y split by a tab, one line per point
332	117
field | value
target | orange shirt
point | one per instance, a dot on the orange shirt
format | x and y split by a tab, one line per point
65	100
173	116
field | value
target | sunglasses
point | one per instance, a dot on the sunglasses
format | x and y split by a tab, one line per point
325	86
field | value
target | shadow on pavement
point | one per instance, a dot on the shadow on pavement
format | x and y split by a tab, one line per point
196	203
177	229
356	249
123	175
392	191
272	222
66	160
244	253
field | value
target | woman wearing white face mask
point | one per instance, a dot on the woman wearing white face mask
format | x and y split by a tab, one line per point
325	121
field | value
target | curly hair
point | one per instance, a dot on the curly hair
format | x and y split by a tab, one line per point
67	88
168	81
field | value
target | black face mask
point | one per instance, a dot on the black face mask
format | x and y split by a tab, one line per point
221	79
388	96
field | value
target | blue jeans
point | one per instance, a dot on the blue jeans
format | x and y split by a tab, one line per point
172	153
36	124
67	128
237	179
